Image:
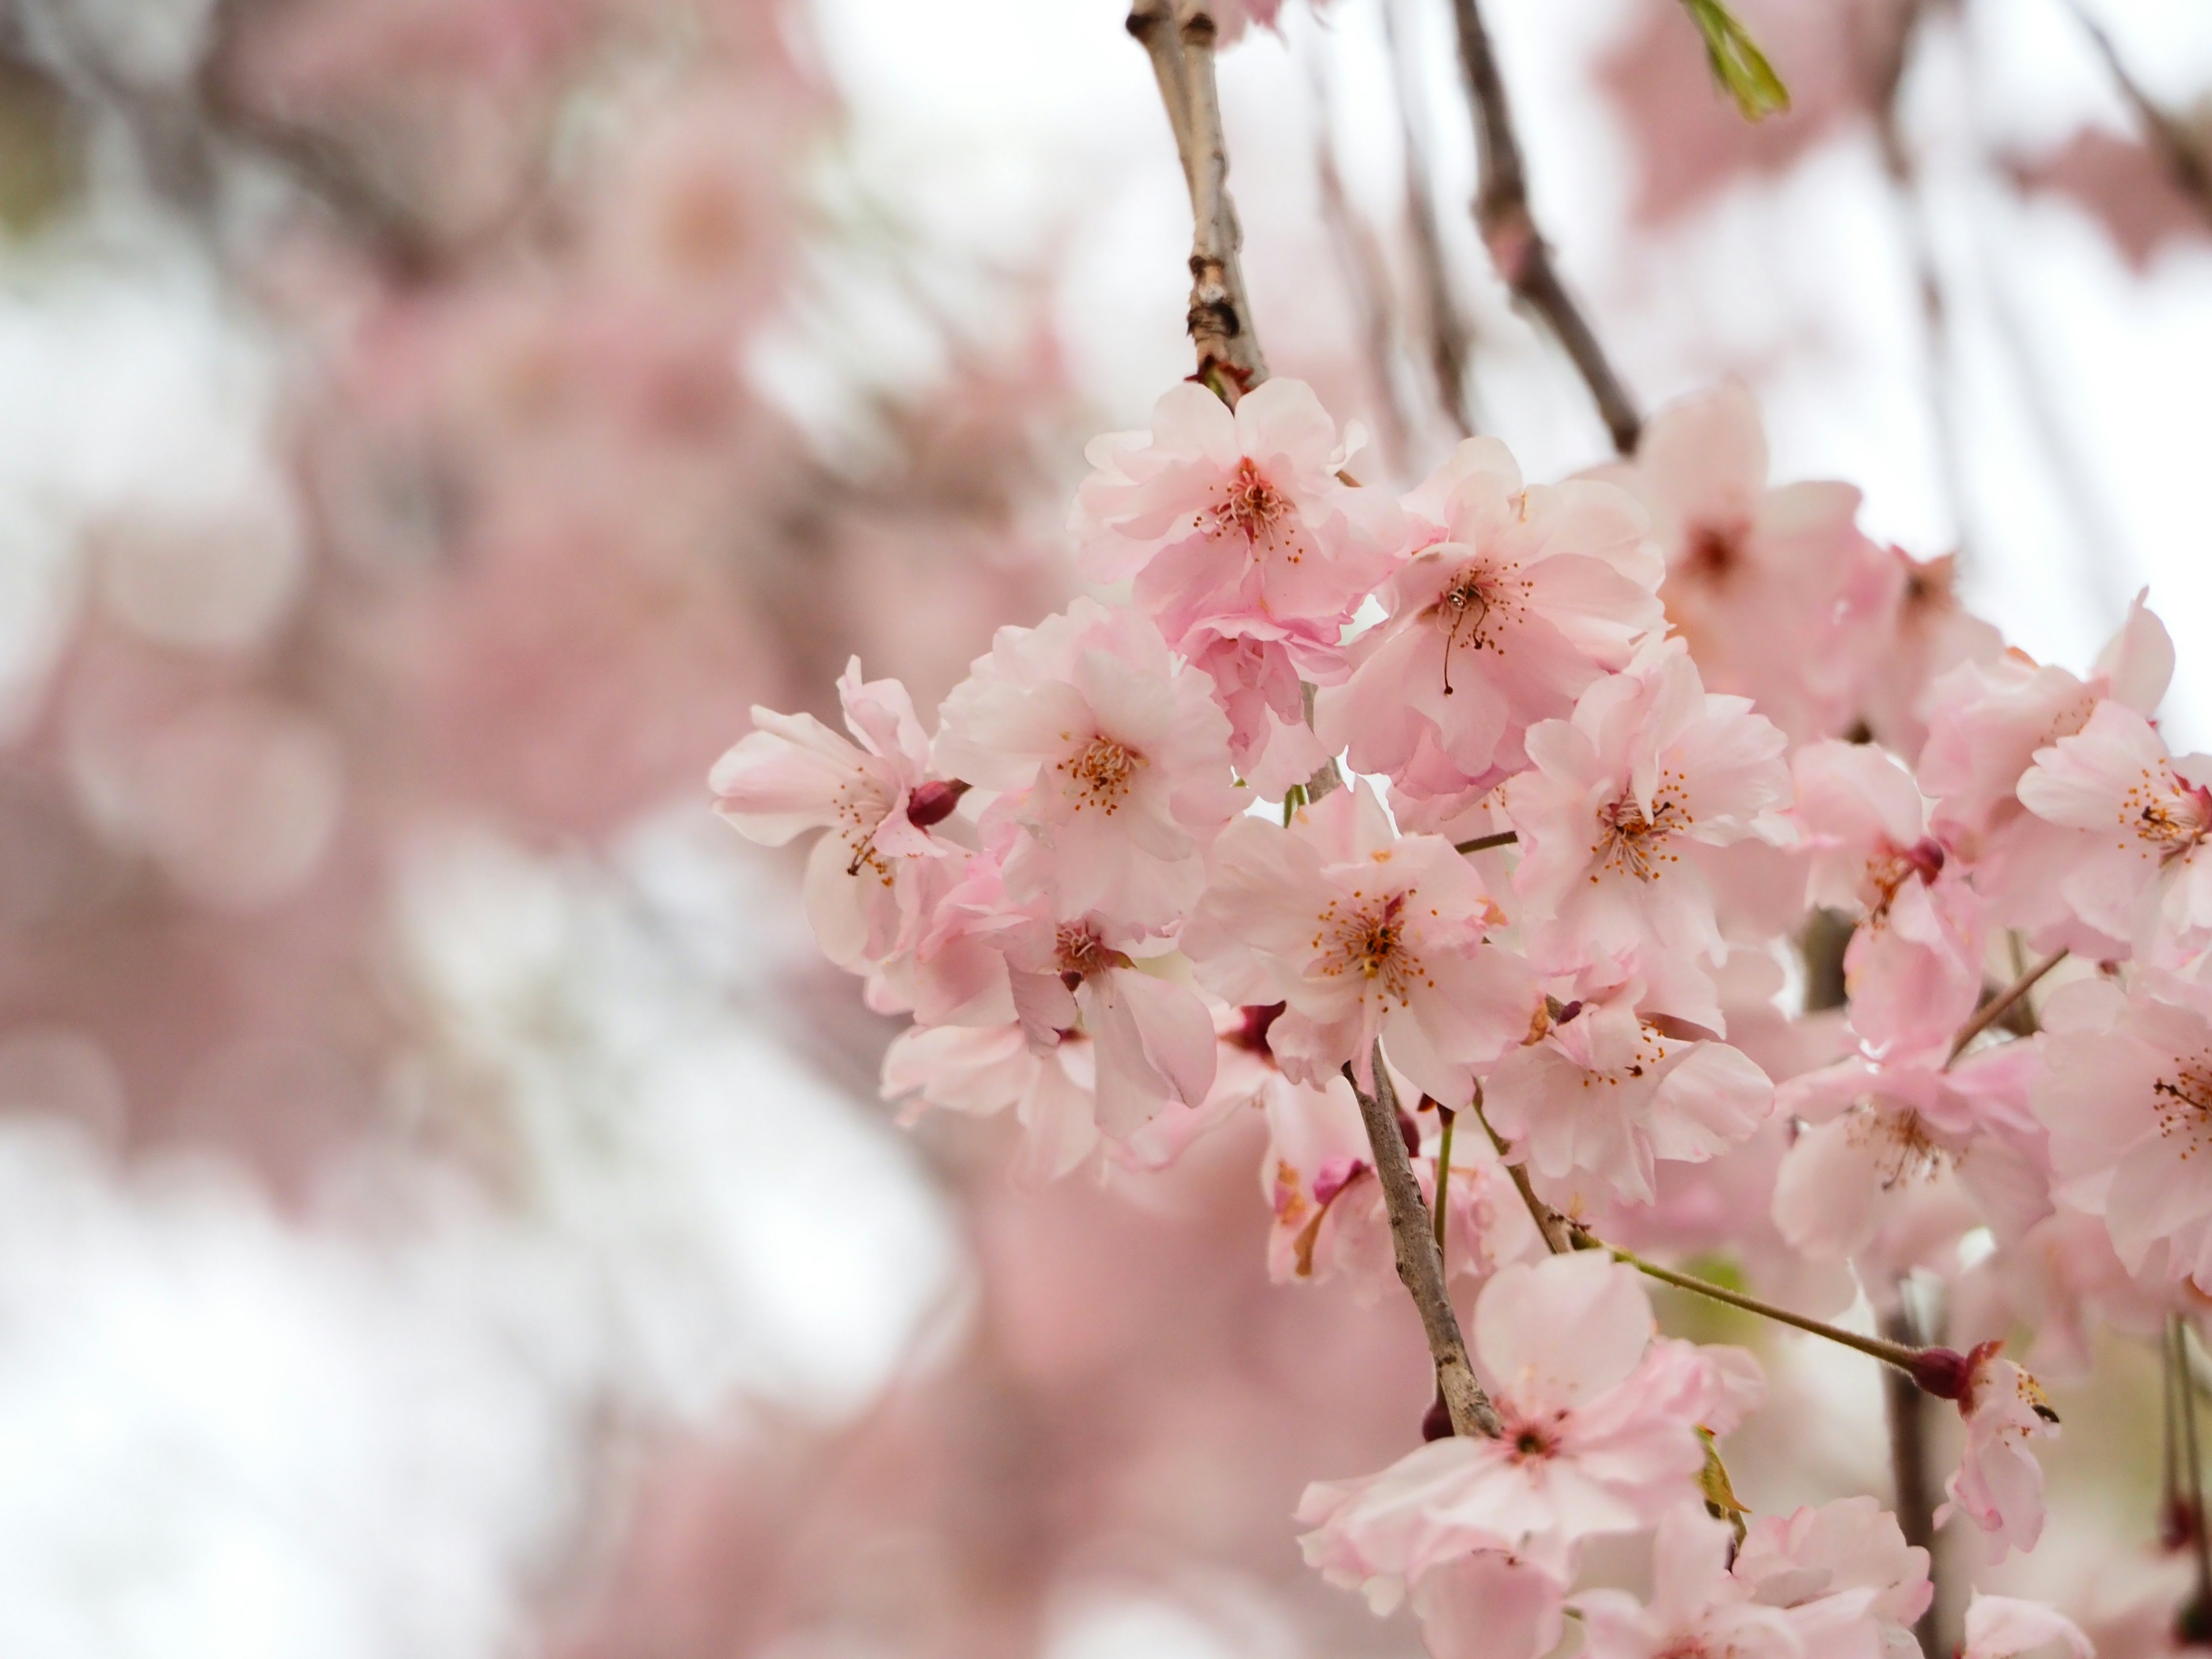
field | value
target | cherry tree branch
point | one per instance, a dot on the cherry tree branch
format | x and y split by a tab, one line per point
2000	1005
2185	162
1510	231
1180	39
1907	1410
1449	336
1420	1263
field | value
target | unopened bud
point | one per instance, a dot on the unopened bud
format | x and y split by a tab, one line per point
1251	1034
932	803
1944	1372
1436	1422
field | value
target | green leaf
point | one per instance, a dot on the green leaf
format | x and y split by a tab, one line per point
1737	63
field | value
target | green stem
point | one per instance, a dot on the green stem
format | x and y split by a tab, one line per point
1444	1177
1890	1353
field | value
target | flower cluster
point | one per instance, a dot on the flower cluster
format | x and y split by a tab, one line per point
1522	802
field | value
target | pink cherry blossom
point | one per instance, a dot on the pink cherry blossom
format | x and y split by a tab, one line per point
1696	1608
1111	757
1604	1092
1529	595
869	879
1490	1605
1929	633
2126	1092
1843	1575
2003	1627
1599	1435
983	1070
1649	765
2147	815
1363	933
1998	1485
1215	514
1760	582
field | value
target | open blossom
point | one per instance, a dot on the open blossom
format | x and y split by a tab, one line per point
870	878
1362	934
1490	1605
1913	968
1529	594
1878	1133
1697	1607
1215	514
983	1070
2003	1627
1649	766
1111	759
2144	873
1841	1574
2126	1092
1604	1092
1780	597
1601	1436
1998	1485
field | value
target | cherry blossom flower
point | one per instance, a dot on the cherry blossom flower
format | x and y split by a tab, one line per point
868	880
1929	633
2126	1092
1529	595
1604	1092
1998	1485
1213	513
1878	1130
1649	765
1363	934
1111	755
2001	1627
2140	877
1696	1608
983	1070
1490	1605
1601	1436
1758	579
1842	1573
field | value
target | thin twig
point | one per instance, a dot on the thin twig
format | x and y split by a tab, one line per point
2186	163
1998	1007
1890	1353
1509	230
1907	1412
1484	844
1181	42
1420	1263
1449	336
1449	1120
1557	1237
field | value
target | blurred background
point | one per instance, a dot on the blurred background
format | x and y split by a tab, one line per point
443	1208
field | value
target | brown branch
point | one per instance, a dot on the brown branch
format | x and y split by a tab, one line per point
1448	337
2000	1005
2186	163
1558	1238
1181	42
1907	1412
1420	1263
1517	245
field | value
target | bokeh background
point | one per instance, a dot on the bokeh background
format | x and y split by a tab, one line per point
443	1208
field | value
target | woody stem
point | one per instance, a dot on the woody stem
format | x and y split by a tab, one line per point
1420	1262
1890	1353
2000	1005
1450	1120
1484	844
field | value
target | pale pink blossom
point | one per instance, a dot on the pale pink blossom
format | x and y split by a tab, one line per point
1213	513
1998	1485
1649	765
1850	1585
1781	599
1601	1435
886	857
1879	1131
983	1070
2003	1627
1697	1607
1525	596
1490	1605
1927	633
1259	669
1111	759
1604	1092
2126	1092
1363	933
2141	873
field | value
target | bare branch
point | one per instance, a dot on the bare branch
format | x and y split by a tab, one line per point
2000	1005
2185	159
1181	43
1907	1412
1420	1264
1516	246
1448	337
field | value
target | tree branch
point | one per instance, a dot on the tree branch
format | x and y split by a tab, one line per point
2000	1005
1420	1263
1907	1412
1509	230
1181	42
2184	162
1449	339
